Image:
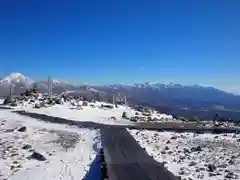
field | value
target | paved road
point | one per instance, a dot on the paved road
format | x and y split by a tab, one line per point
126	160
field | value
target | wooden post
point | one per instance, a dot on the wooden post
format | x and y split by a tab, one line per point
10	92
113	100
49	87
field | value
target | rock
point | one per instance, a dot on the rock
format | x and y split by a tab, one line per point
211	167
124	115
19	166
14	154
178	178
136	113
113	118
37	106
37	156
13	104
196	149
212	174
149	118
168	142
91	105
27	146
185	150
182	157
107	106
163	152
58	101
200	176
49	101
166	148
8	100
229	175
231	162
197	170
22	129
85	103
181	173
222	165
192	163
182	136
170	152
173	137
134	119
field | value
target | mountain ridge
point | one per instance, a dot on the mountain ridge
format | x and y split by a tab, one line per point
17	78
194	100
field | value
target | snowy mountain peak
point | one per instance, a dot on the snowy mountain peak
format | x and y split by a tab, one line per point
16	78
59	82
16	75
56	81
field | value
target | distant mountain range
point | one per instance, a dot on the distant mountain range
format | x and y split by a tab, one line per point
177	99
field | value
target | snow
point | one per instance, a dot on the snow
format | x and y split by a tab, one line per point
95	114
87	113
69	150
74	110
222	151
1	101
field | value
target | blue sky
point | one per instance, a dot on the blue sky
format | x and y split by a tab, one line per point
111	41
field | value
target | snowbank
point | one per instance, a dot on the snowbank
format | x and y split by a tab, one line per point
68	150
195	156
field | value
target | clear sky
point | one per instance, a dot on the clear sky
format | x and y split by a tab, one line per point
123	41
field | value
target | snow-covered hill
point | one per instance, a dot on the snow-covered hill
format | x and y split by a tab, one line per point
18	80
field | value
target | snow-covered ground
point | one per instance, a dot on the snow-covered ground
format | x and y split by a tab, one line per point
87	113
1	101
68	150
93	112
194	156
